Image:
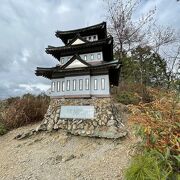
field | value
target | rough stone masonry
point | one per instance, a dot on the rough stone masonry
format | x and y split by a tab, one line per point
107	121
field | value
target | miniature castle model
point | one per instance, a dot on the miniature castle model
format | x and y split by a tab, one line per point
86	67
80	84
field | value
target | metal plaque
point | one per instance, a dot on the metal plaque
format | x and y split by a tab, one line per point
77	112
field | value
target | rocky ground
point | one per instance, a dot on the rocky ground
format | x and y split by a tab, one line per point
61	156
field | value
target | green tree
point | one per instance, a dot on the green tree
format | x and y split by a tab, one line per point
145	67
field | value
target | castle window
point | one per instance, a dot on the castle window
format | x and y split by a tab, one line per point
103	84
80	84
53	86
94	37
95	84
62	60
74	85
68	85
87	83
99	56
85	57
89	38
58	86
63	86
92	56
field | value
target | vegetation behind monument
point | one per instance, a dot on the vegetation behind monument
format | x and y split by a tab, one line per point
150	57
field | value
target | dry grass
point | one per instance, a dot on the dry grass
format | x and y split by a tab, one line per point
24	110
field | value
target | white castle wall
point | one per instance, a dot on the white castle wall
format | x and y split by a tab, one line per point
100	91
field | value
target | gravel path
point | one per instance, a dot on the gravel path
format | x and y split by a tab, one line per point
60	156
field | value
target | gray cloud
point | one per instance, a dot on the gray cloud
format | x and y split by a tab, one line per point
28	27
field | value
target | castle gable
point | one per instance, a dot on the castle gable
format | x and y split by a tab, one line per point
75	62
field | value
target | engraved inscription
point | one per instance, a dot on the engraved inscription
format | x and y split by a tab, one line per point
77	112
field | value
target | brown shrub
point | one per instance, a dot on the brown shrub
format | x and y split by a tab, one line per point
140	91
11	100
25	110
160	121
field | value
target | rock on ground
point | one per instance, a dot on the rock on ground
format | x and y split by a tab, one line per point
58	155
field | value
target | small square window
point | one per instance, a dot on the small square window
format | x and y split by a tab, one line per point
89	38
80	84
85	57
99	56
92	56
62	60
94	37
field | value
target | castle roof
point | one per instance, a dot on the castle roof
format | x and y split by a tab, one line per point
99	29
93	68
105	45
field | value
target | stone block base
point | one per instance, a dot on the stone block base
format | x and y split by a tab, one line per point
106	123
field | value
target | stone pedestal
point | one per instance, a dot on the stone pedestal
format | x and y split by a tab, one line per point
106	123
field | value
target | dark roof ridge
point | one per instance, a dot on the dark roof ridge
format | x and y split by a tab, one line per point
102	24
108	39
104	63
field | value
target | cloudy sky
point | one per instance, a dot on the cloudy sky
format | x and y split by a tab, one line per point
27	27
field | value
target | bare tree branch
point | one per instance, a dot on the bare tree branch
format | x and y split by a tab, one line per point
126	31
